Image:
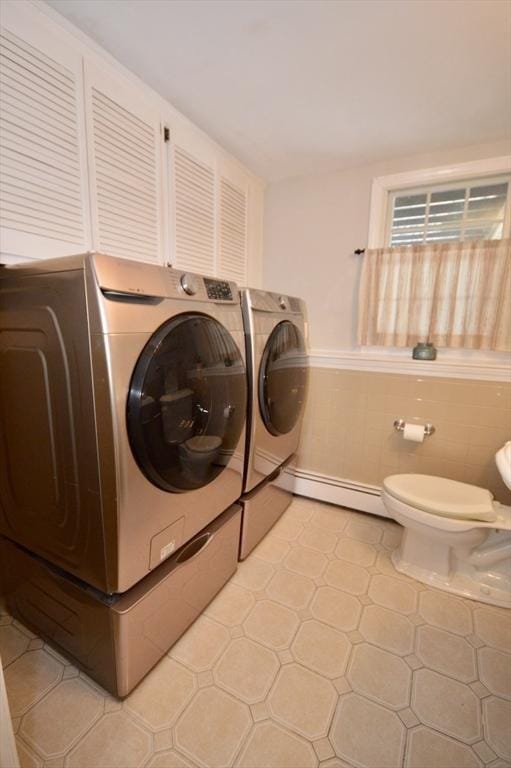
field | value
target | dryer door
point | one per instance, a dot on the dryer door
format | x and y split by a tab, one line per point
187	403
283	378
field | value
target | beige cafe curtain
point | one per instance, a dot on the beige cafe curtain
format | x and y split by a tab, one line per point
452	294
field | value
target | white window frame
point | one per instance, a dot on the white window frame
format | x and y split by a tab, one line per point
383	186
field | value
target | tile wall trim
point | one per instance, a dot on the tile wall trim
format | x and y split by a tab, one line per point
334	490
395	363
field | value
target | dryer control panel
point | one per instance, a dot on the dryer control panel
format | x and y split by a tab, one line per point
218	290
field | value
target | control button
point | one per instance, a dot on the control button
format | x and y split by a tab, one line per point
282	302
189	284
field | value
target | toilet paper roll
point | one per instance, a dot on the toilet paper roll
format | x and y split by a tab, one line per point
414	432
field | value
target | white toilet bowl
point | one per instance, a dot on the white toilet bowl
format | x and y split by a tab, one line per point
456	537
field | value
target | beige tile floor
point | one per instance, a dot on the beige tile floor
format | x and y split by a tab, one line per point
316	653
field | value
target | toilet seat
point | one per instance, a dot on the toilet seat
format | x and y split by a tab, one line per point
401	509
443	497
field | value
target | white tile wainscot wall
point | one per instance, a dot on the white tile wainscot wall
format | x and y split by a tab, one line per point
349	445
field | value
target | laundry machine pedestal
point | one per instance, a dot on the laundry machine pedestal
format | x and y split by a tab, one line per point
262	507
117	639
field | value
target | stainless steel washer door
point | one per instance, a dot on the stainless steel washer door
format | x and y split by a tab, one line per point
187	403
283	379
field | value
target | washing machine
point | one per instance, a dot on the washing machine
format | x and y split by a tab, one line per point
277	364
122	412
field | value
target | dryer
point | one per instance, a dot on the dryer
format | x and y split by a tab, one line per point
122	412
277	364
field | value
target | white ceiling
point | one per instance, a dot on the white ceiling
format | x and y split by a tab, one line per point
293	87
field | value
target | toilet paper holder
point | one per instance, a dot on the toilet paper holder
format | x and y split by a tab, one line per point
399	425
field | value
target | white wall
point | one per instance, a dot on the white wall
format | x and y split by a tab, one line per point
312	226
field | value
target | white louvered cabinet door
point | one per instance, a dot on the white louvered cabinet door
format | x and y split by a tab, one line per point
194	212
43	173
123	129
232	247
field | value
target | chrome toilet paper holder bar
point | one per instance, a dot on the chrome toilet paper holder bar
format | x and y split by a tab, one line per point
399	425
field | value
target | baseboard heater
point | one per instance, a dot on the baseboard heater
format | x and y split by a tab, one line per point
335	490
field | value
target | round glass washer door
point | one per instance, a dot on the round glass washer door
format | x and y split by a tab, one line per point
186	403
283	379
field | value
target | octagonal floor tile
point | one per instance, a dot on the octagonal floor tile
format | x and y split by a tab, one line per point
494	627
367	734
287	529
231	605
303	701
271	745
200	647
306	561
271	624
116	741
247	670
26	757
392	593
291	589
447	653
29	677
12	643
364	530
357	552
168	759
301	509
334	762
330	518
315	538
387	629
445	612
336	608
272	550
495	671
162	694
447	705
347	577
429	748
380	675
321	648
212	728
56	722
385	565
253	574
497	729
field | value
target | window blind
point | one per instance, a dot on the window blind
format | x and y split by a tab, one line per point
469	211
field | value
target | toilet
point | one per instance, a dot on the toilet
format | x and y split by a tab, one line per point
456	536
198	454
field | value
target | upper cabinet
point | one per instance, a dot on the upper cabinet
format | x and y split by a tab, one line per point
208	198
192	200
43	172
123	136
232	225
93	159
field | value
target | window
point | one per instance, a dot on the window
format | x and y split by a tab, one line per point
451	284
471	210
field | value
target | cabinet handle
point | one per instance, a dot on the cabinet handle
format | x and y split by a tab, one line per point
194	547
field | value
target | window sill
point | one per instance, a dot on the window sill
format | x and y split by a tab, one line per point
450	363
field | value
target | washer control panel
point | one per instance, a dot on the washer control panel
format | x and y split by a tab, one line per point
218	290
